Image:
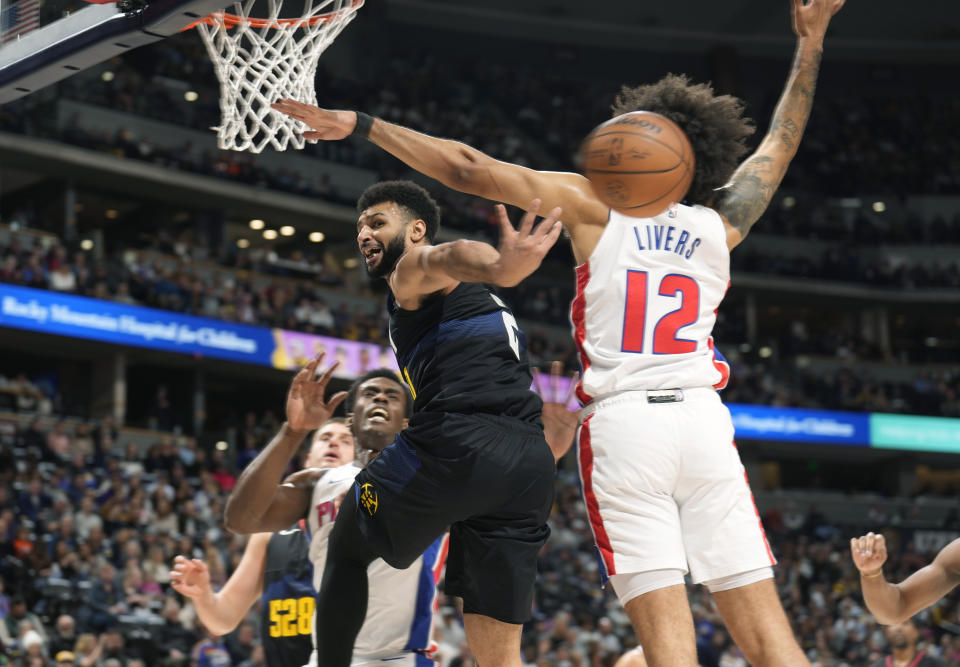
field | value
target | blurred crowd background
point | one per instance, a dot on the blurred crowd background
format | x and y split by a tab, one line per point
845	297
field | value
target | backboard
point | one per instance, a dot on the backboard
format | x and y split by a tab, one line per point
44	41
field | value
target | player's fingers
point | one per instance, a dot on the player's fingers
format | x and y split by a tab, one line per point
313	365
572	389
551	237
526	223
553	216
327	374
506	227
556	368
336	400
537	381
298	381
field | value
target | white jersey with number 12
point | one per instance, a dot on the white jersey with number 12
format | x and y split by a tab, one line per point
646	303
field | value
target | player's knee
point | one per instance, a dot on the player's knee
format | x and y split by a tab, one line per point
631	586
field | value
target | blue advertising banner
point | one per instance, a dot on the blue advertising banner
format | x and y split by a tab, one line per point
137	326
792	424
94	319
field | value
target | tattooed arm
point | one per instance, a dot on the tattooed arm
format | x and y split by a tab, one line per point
744	199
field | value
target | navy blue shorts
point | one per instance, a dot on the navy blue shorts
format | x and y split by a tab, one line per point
490	480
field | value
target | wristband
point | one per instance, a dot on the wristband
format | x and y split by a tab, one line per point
364	125
878	573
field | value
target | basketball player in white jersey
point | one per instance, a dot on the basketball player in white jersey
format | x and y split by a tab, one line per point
662	481
399	620
277	574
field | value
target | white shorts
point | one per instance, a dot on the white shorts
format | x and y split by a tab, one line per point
665	489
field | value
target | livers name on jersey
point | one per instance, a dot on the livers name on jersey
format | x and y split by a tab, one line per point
667	238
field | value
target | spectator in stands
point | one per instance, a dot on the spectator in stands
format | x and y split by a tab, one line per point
65	658
64	635
162	415
20	621
210	651
34	501
114	648
88	650
58	441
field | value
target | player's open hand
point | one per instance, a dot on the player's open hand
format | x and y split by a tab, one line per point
306	407
522	250
869	553
327	125
559	421
811	17
190	577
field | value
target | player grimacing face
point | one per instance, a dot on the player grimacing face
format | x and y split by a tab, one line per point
332	447
381	237
379	412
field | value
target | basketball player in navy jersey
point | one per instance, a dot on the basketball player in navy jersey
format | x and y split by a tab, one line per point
473	457
669	497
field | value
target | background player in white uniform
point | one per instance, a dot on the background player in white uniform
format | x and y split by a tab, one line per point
399	619
662	482
285	640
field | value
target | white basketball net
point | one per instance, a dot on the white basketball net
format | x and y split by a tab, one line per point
261	60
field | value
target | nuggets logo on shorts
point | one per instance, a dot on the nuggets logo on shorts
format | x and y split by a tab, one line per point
368	498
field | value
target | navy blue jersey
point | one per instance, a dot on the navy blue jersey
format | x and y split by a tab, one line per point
288	600
464	353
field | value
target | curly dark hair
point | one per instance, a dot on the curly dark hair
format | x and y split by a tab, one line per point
379	373
415	200
714	124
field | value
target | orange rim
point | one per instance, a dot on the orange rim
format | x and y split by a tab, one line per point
232	20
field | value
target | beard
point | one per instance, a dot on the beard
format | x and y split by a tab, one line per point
389	256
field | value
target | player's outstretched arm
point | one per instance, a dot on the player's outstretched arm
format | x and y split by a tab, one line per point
222	611
744	199
457	165
428	269
894	603
260	502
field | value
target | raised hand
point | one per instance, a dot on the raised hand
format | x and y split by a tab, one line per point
306	408
869	553
327	125
522	250
190	578
811	17
559	422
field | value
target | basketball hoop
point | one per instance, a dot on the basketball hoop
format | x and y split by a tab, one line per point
260	60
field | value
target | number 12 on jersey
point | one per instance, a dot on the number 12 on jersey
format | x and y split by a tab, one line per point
665	341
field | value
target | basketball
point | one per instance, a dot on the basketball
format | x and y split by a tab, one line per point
638	163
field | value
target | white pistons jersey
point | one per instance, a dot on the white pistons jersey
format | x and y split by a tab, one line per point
646	303
401	603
